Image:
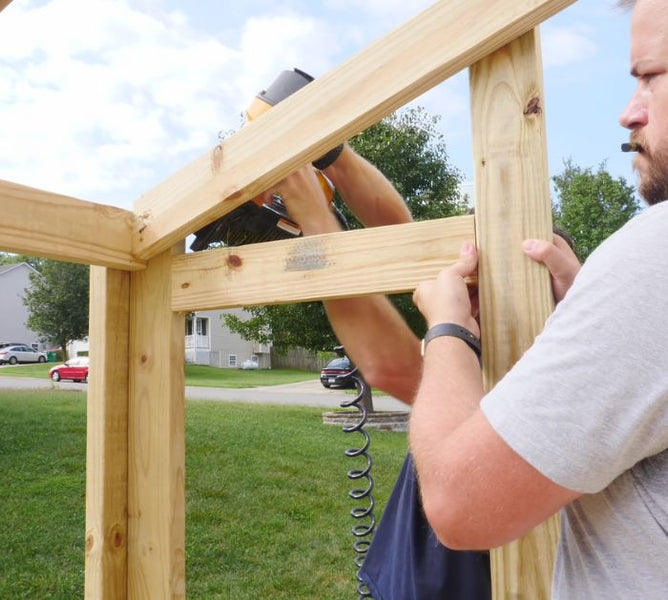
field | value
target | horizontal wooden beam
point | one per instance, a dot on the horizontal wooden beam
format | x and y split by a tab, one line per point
39	223
441	41
379	260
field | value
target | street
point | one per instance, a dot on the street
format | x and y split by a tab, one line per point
304	393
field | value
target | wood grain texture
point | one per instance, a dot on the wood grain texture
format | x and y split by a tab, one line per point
107	436
513	203
156	496
441	41
387	259
39	223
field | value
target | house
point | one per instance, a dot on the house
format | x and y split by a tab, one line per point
210	342
14	280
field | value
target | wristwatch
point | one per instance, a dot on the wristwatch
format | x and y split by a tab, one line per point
453	330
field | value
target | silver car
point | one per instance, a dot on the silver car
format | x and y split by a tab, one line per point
20	353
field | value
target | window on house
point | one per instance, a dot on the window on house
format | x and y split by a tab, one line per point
189	326
232	360
202	326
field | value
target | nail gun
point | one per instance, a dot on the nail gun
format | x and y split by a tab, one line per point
256	220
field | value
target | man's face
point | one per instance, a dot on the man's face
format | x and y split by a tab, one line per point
646	115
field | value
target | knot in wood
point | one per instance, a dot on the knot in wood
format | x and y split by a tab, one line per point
233	261
117	539
533	108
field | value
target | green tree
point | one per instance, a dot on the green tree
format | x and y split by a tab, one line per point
591	205
7	258
57	301
409	150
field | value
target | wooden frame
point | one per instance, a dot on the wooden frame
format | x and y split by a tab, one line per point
142	283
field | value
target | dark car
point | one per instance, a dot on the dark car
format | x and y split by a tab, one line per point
335	374
75	369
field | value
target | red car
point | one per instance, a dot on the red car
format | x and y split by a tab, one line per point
75	369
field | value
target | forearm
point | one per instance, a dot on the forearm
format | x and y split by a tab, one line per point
449	393
379	342
448	397
366	191
373	332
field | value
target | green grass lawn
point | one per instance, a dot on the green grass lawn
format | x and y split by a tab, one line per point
196	375
268	513
201	375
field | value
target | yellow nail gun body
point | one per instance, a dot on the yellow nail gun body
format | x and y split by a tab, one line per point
256	220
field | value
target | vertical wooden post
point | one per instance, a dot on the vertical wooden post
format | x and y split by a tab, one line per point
513	203
156	545
107	436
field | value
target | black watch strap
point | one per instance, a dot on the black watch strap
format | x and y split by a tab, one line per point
453	330
327	159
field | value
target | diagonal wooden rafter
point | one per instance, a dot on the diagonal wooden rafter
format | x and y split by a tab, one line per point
4	4
451	35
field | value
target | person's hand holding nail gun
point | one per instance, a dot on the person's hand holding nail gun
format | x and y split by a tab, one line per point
305	201
365	190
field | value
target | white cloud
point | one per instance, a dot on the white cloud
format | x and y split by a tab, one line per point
384	13
100	93
272	44
567	45
102	99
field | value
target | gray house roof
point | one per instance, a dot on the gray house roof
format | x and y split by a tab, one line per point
21	265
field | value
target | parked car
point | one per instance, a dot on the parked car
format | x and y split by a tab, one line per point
335	374
75	369
20	353
5	344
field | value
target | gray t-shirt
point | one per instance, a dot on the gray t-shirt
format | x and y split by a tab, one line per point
587	405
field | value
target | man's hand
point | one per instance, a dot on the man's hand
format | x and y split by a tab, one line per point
305	201
446	299
560	260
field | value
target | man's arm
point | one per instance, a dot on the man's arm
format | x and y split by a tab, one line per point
366	191
375	335
372	331
477	492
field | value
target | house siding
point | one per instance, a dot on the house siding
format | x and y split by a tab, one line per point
216	348
14	280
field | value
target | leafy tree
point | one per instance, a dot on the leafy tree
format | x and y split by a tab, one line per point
591	206
409	150
57	301
7	258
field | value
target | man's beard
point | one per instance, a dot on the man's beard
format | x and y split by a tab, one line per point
654	184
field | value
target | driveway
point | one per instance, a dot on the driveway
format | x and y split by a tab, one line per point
304	393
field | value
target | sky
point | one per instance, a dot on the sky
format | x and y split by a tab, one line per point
104	99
